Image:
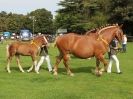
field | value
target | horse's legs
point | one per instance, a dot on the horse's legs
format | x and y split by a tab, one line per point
97	70
97	65
105	65
58	60
18	62
30	69
8	64
101	58
33	65
65	61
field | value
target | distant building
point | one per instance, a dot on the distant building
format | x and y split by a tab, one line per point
61	31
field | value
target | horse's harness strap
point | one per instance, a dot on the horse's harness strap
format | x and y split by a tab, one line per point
100	37
32	42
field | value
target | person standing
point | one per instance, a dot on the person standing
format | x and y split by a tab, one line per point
113	56
2	39
44	57
124	43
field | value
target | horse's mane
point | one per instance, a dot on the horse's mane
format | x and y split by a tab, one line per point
96	30
106	26
91	31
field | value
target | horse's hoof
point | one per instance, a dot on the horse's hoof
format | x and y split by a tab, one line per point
23	71
28	71
99	73
71	74
9	72
102	70
55	73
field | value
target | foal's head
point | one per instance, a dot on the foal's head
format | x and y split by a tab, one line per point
41	39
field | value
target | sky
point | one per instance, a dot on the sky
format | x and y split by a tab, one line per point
27	6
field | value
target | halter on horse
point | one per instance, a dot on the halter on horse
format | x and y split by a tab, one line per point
25	49
86	46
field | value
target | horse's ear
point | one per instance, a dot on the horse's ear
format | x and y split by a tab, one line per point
121	26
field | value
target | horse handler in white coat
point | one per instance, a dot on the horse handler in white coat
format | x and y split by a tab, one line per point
113	57
44	57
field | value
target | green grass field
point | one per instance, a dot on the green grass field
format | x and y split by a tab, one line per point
84	85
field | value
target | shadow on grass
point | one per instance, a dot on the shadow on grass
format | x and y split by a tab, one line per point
74	70
17	69
60	70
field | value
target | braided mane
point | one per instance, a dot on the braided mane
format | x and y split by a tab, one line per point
99	28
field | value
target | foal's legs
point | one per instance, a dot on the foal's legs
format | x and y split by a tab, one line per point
18	62
33	65
65	61
30	69
8	64
58	60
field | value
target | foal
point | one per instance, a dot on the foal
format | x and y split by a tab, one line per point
25	49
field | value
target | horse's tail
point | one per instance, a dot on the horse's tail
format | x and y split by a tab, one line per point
7	50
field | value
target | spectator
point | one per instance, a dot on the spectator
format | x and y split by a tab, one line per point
124	43
2	39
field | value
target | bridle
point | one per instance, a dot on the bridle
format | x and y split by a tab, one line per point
32	42
45	40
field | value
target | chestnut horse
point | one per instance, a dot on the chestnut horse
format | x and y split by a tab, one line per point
25	49
85	46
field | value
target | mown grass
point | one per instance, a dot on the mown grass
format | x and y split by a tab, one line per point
84	85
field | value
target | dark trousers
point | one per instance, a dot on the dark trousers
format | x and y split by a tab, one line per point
124	47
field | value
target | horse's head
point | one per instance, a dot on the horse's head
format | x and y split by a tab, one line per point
44	41
41	40
119	33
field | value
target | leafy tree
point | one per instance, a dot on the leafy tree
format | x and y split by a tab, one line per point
121	11
78	15
43	20
14	22
81	15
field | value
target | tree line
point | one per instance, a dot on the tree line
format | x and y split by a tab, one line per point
83	15
43	21
74	15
